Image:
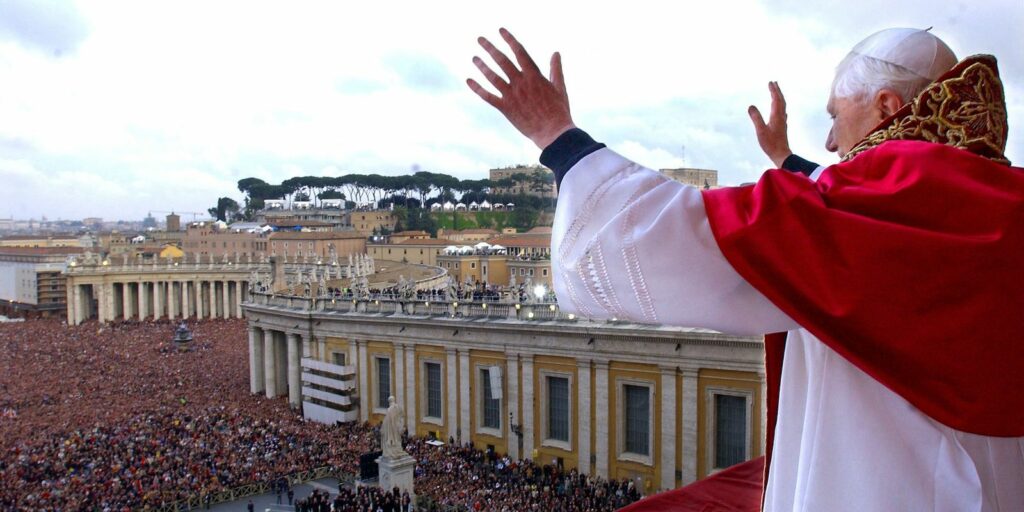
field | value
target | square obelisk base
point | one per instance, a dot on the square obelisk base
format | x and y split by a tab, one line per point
396	472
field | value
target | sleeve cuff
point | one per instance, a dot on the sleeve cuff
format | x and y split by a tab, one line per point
569	148
797	164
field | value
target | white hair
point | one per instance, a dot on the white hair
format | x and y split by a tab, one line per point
859	76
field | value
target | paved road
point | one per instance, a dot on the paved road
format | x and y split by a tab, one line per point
268	502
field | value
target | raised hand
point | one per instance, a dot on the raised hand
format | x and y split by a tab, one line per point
772	136
536	106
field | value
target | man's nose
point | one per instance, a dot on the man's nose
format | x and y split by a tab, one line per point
830	141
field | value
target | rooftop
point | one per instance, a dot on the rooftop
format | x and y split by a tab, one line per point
524	240
316	235
40	251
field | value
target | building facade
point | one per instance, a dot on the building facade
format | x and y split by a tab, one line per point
205	240
541	188
700	178
657	405
32	283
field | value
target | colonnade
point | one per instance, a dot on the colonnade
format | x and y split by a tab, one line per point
275	363
154	299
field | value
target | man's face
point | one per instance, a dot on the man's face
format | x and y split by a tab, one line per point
852	120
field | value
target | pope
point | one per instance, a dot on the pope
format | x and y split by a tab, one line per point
893	277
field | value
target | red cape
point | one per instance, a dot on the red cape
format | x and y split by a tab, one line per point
906	261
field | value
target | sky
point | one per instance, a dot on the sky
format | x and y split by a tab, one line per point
116	109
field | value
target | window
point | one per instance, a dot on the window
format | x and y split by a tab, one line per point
544	271
558	408
472	264
383	382
339	358
433	371
638	419
490	399
730	430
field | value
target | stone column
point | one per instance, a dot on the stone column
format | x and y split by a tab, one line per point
294	370
281	368
213	299
528	423
512	370
465	407
257	382
307	347
410	389
764	411
453	383
668	427
185	313
197	288
126	302
269	364
689	419
72	299
602	418
171	313
141	285
239	297
321	346
583	410
398	390
227	298
158	303
364	393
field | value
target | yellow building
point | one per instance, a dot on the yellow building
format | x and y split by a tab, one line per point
659	405
524	186
416	251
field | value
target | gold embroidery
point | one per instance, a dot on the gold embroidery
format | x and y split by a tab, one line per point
964	108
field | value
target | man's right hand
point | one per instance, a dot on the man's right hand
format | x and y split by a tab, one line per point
537	106
772	136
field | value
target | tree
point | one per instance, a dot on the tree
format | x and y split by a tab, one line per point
225	210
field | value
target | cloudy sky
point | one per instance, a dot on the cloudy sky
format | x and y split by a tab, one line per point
115	109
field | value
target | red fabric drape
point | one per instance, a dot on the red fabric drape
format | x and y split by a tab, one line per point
907	262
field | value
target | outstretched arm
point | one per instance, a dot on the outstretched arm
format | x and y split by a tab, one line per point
537	106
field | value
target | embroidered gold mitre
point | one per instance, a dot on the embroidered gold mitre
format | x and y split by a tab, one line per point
964	108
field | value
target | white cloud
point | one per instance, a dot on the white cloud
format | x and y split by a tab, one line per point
159	107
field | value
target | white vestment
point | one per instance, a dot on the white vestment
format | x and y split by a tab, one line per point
630	243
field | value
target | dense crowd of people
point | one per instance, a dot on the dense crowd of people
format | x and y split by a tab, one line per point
109	417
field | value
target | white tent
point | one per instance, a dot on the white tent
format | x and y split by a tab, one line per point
485	205
435	207
461	207
473	206
451	249
482	245
448	206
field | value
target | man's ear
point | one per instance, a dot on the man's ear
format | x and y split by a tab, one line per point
887	102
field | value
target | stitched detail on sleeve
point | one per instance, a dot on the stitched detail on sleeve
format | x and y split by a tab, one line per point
604	282
631	257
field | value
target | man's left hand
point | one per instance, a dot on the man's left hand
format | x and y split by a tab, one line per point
538	107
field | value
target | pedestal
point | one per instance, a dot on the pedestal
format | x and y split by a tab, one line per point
396	472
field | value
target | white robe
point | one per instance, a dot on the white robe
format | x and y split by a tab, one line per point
630	243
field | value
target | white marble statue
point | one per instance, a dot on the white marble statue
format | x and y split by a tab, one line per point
391	431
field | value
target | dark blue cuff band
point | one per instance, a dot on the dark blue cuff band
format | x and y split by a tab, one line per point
796	164
567	150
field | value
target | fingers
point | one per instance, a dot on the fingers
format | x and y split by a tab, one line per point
757	119
484	94
778	113
556	76
506	65
524	59
500	84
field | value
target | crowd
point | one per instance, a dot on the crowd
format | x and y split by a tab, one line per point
107	418
464	478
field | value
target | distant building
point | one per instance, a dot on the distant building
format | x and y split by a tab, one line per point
32	283
42	241
204	239
524	186
415	251
294	243
468	235
700	178
368	221
173	222
402	236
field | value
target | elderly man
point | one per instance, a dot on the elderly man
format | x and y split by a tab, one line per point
895	272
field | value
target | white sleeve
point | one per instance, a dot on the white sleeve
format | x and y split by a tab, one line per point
629	243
